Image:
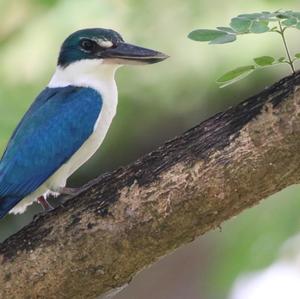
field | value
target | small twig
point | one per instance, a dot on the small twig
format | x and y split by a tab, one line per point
290	62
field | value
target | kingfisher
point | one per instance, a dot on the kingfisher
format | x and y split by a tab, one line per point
68	120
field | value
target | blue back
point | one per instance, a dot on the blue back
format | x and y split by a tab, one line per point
53	129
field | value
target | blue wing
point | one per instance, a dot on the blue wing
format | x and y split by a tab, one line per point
53	129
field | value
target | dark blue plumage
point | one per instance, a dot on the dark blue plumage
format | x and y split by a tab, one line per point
53	129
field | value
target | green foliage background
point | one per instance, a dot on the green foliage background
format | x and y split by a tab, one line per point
155	103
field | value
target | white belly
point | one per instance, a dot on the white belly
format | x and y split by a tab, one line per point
84	153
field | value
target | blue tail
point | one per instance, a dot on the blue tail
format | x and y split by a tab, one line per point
6	204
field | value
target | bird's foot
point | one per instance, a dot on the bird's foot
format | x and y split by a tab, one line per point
45	204
47	207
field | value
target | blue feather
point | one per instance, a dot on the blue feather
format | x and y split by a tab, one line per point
53	129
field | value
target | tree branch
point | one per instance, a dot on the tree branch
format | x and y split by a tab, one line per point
129	218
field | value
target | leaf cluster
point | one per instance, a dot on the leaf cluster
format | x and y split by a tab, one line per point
256	23
243	71
247	23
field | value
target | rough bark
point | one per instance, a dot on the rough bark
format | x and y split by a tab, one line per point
129	218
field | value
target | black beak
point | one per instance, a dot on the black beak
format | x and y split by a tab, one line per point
131	54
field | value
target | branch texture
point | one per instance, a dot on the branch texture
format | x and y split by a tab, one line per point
129	218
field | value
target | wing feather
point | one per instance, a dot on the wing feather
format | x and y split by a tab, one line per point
52	130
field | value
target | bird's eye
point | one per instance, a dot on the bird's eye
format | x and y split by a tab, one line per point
87	45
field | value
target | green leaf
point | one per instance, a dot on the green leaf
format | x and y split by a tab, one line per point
296	14
235	75
264	60
289	13
289	22
297	55
240	25
251	16
264	22
259	27
281	15
226	29
224	39
298	26
281	59
204	35
266	15
263	16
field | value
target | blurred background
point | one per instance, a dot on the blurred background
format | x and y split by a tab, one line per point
155	104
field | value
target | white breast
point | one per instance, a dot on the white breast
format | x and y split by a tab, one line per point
85	73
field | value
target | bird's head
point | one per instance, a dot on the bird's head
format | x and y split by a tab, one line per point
104	45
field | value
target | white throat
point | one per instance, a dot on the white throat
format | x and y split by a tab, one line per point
87	73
